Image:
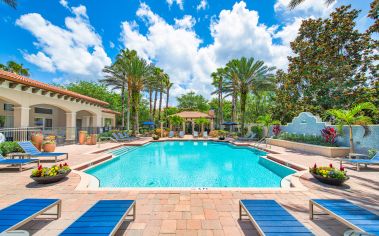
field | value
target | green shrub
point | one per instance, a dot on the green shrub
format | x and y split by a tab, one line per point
9	147
372	152
305	138
257	130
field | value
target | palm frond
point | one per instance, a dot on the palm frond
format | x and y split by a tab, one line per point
11	3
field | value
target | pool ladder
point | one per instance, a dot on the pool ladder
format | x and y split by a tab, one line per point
261	141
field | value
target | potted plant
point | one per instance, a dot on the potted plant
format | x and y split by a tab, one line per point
37	140
88	140
221	134
49	145
155	137
93	139
46	175
329	174
82	137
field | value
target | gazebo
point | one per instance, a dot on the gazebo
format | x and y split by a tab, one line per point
190	117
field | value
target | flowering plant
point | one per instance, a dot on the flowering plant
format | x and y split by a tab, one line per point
276	130
329	171
52	171
37	133
329	134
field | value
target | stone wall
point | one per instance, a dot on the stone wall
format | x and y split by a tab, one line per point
306	123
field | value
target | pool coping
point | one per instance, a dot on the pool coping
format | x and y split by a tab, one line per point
91	183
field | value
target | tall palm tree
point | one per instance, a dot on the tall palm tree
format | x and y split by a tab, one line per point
248	75
115	77
267	121
353	117
15	67
162	82
151	84
139	70
218	82
168	85
11	3
157	73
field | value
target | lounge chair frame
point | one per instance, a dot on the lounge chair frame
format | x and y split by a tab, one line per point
58	204
251	218
125	217
331	213
44	154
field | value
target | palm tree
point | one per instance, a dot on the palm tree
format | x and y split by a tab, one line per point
175	120
202	121
16	68
115	77
150	87
11	3
248	76
353	117
157	73
267	121
218	82
168	85
163	80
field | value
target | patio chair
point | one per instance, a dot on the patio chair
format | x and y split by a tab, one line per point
205	135
270	218
20	213
127	136
104	218
373	161
171	134
248	137
124	136
195	134
29	148
17	162
353	216
181	134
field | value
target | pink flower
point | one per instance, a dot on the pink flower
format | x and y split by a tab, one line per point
342	168
330	165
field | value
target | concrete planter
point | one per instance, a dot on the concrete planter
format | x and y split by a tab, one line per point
310	148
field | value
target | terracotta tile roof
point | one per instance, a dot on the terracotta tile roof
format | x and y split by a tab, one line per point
34	83
192	114
105	110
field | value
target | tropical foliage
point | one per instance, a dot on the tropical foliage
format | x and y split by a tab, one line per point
11	3
305	138
192	102
15	67
329	172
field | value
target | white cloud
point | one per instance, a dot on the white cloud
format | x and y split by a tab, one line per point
177	49
187	22
111	44
178	2
76	49
315	8
64	3
202	5
289	31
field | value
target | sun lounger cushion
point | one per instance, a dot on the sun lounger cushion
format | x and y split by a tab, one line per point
102	219
23	210
361	218
273	219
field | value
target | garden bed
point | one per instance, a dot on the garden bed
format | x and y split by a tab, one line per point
310	148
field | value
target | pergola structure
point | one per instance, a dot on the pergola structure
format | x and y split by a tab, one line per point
190	117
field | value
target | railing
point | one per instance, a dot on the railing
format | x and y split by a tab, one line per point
261	141
63	135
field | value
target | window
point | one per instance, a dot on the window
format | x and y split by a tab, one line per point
8	107
38	122
48	123
40	110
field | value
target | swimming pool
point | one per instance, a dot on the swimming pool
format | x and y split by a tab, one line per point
190	164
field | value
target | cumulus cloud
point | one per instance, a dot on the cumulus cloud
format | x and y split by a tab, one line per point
64	3
202	5
177	48
76	49
308	8
178	2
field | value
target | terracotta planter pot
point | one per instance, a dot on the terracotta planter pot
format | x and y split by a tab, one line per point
93	139
89	141
82	138
50	179
49	147
37	141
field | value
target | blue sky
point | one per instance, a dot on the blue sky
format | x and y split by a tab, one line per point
68	40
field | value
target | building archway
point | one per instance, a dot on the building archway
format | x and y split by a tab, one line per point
7	112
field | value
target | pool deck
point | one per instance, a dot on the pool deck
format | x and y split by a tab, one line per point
195	212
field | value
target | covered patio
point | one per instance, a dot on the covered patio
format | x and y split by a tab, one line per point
189	117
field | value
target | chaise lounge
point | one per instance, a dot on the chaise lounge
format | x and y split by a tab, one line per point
181	134
17	162
347	213
270	218
117	137
195	134
171	134
29	148
104	218
373	161
20	213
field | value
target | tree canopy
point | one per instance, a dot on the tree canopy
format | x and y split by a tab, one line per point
192	102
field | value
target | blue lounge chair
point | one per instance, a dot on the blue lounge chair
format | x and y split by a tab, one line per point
248	137
20	213
104	218
353	216
118	138
181	134
205	135
195	134
29	148
270	218
373	161
171	134
17	162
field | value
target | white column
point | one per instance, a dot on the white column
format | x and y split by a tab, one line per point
212	125
96	121
70	125
86	121
184	126
21	117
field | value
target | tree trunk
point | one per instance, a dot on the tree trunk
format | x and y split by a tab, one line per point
135	111
243	106
160	103
151	103
155	103
128	114
351	139
167	96
123	106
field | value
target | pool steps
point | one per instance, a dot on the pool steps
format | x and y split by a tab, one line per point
122	150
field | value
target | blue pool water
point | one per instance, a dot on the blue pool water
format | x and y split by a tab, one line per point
190	164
